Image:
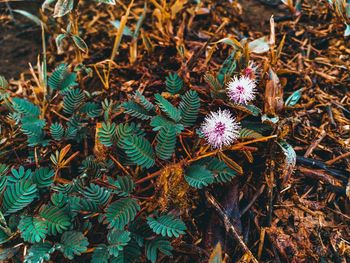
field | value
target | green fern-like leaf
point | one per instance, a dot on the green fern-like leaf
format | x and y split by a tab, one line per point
249	134
168	108
25	107
167	225
91	109
198	176
107	134
159	244
32	229
34	129
144	102
72	100
173	83
139	151
20	174
117	240
61	78
121	212
135	110
166	141
40	252
189	108
100	254
97	194
73	243
43	177
127	130
222	173
17	196
57	131
125	185
3	169
56	218
3	182
160	122
130	254
4	236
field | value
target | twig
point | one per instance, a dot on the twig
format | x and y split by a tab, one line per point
252	201
229	226
332	161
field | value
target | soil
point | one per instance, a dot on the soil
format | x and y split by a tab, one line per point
20	39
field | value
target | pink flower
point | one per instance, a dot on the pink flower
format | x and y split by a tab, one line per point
220	128
241	90
252	71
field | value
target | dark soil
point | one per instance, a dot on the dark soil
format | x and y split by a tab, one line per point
20	39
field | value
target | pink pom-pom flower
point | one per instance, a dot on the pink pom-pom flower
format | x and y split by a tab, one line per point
252	71
241	90
220	128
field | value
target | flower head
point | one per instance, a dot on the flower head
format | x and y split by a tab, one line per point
241	90
252	71
220	128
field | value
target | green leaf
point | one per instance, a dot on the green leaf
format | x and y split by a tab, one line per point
189	108
290	157
110	2
121	212
249	134
4	236
144	102
20	174
97	194
61	79
25	107
91	109
59	42
139	151
17	196
347	30
3	183
168	108
57	220
57	131
198	176
38	253
32	229
8	253
72	100
259	46
117	240
166	142
159	244
124	131
227	68
173	83
167	225
125	184
294	98
126	31
100	254
43	177
222	173
130	254
80	43
107	134
135	110
73	243
28	15
63	7
3	82
159	122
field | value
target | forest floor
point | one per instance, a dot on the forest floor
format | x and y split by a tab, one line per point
282	213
